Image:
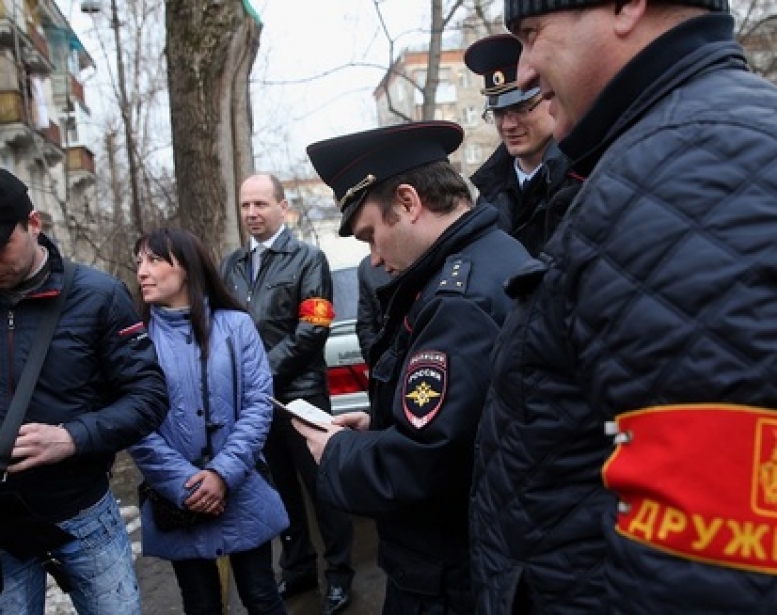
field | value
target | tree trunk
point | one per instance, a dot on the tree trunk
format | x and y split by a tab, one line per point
433	63
211	47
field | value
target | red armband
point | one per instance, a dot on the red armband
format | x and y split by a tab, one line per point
699	481
316	311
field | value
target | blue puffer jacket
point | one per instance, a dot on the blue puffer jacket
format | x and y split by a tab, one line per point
239	384
658	289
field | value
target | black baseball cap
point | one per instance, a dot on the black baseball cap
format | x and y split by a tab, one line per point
15	204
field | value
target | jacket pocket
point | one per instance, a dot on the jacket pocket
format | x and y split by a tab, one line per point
409	571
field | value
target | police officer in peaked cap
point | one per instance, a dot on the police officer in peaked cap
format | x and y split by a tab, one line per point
527	169
408	463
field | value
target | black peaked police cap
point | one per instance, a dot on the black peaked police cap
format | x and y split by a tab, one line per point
353	164
495	58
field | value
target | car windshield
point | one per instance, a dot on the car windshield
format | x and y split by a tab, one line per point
346	293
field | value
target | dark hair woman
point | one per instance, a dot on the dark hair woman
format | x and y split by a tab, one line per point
203	458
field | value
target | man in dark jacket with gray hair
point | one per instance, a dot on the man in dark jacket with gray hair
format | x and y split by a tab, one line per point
652	316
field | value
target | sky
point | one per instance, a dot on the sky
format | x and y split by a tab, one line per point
304	87
294	103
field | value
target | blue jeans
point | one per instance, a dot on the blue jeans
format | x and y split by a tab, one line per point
254	578
98	564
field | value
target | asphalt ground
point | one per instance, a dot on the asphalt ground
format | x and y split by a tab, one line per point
159	590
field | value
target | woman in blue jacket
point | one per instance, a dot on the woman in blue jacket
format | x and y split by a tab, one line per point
204	456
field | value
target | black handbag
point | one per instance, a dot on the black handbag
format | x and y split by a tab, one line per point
24	533
168	516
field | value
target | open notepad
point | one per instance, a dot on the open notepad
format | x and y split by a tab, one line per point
306	412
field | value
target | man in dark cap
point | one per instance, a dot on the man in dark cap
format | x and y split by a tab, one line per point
99	390
527	169
408	465
653	316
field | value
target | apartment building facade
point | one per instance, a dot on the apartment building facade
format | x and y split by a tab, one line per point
398	97
42	106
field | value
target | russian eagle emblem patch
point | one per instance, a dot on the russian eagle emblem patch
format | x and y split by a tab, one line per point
426	383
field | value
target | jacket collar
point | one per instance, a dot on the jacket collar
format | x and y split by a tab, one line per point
497	172
285	242
462	232
674	58
495	169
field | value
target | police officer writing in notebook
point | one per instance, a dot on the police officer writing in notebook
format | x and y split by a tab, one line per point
408	465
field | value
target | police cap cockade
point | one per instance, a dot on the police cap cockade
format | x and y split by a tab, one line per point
496	59
15	205
353	164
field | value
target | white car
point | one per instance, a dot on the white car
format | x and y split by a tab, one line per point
348	373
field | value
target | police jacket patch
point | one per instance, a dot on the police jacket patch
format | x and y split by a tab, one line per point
426	382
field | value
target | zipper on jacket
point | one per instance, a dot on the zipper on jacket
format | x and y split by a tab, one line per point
11	331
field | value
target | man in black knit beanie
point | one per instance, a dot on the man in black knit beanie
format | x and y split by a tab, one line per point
624	462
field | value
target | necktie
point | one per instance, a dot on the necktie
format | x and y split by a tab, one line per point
257	259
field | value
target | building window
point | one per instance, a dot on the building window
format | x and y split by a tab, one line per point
470	116
72	130
473	153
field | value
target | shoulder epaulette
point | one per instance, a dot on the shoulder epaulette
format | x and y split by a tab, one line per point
455	275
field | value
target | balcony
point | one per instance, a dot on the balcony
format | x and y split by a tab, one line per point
14	119
80	165
33	46
12	108
50	145
51	134
17	129
66	89
77	91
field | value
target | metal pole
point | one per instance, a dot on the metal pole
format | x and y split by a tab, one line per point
137	217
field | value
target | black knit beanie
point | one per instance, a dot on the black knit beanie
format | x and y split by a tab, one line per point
518	9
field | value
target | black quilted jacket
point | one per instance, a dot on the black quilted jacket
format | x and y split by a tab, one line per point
659	288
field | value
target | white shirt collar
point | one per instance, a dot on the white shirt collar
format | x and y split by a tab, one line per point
268	243
523	177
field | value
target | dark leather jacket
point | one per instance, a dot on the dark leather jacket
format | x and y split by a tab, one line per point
369	314
291	272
